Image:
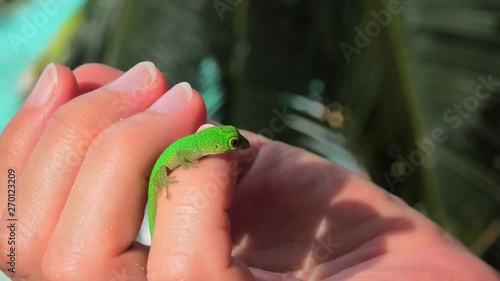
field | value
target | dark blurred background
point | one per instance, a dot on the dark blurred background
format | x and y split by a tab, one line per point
406	92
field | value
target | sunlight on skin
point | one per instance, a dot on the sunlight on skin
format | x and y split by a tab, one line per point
289	211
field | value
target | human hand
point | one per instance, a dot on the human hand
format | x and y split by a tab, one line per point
299	214
73	146
291	212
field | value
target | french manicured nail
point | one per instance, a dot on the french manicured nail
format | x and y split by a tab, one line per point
174	99
136	79
44	88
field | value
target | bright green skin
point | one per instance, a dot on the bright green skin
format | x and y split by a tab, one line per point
185	152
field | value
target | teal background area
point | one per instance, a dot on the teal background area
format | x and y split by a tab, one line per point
20	47
25	32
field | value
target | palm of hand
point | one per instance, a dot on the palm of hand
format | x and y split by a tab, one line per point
324	223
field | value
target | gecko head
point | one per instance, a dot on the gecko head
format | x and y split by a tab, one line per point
234	140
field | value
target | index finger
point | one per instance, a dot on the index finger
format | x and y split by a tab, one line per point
192	235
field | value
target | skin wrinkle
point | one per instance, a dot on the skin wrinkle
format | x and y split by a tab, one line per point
65	134
34	206
370	244
59	151
180	247
113	156
71	262
360	229
74	242
33	212
338	265
191	194
185	210
81	226
30	233
71	265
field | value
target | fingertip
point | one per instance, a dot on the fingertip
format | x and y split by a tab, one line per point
91	76
67	81
175	99
204	126
198	107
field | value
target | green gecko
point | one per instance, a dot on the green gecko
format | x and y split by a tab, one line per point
185	152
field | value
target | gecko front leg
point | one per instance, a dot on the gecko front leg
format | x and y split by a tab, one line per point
164	181
184	161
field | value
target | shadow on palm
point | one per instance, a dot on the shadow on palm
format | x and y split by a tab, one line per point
290	212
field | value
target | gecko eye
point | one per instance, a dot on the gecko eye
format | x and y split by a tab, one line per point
234	142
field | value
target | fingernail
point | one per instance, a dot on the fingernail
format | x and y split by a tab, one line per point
204	126
44	88
174	99
136	79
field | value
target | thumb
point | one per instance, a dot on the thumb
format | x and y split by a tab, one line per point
192	237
